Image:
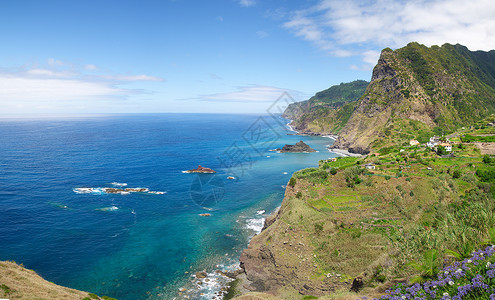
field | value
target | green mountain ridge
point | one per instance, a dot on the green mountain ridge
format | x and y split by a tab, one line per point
413	89
327	111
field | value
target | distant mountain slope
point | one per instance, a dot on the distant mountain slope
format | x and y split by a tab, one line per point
327	111
431	89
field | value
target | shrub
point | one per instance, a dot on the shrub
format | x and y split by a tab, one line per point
472	278
333	171
299	195
318	228
487	159
456	174
292	182
311	174
7	290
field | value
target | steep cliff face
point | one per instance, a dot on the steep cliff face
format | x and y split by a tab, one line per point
439	87
328	110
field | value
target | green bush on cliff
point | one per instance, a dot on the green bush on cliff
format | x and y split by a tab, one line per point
292	182
314	175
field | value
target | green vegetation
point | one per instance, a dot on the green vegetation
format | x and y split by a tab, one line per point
327	111
401	219
428	268
7	291
314	175
233	290
484	139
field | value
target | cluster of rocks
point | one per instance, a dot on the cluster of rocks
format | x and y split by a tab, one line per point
298	147
200	169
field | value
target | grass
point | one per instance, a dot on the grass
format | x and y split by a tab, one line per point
353	223
340	163
29	285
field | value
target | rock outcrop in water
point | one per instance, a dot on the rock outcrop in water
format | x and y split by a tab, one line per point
298	147
200	169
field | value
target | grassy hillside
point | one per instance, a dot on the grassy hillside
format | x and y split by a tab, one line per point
342	221
17	282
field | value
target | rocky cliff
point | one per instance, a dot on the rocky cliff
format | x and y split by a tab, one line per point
328	110
436	89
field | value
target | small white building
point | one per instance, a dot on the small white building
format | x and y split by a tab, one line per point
434	141
370	166
413	142
447	146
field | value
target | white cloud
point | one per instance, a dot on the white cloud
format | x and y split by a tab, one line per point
262	34
55	62
253	93
16	88
133	78
247	3
90	67
56	89
354	27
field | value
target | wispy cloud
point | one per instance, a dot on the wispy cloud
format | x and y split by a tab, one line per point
262	34
141	77
354	27
90	67
252	93
247	3
60	83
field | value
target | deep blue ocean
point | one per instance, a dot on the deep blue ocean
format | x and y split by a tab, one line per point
141	245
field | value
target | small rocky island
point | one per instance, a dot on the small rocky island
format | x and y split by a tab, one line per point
200	169
298	147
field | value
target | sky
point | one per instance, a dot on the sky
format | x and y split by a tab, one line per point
219	56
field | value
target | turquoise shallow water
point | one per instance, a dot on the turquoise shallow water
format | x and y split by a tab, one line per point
140	245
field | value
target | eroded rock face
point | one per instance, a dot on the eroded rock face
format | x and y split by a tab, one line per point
274	261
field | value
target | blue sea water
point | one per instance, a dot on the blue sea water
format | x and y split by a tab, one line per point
141	245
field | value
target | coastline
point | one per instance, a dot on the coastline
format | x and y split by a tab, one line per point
334	137
343	152
241	285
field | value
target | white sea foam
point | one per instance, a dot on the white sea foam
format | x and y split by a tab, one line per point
209	289
260	212
83	190
285	173
255	224
111	208
291	128
114	190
